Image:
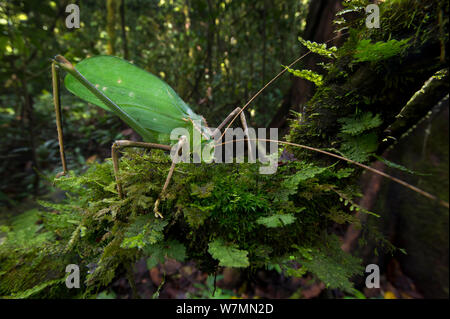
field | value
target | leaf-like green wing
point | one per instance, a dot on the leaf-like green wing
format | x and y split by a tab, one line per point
142	95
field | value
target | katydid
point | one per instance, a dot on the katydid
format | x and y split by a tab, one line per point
153	109
142	100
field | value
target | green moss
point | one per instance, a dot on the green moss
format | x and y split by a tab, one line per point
206	203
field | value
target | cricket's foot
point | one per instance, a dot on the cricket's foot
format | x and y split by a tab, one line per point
156	211
60	174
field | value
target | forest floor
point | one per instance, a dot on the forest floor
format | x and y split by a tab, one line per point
177	280
185	281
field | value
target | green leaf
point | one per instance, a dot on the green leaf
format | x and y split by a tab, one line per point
305	173
330	263
32	291
106	295
27	231
228	255
159	252
277	220
146	229
359	124
344	172
296	272
319	48
356	294
153	261
399	167
359	148
202	191
196	214
309	75
367	51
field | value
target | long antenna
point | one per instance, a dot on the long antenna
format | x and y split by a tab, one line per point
399	181
269	83
318	150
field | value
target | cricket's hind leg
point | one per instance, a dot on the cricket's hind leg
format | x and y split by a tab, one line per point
57	104
124	143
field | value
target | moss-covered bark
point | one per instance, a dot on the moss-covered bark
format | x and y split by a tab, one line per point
411	221
380	85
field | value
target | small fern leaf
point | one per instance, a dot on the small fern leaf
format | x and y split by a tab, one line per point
319	48
228	255
277	220
309	75
360	124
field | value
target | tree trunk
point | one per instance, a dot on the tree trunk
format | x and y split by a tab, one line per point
319	28
111	8
401	89
124	31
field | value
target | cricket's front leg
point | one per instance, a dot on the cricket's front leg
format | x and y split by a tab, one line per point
57	104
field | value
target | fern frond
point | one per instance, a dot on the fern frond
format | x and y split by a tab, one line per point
359	124
319	48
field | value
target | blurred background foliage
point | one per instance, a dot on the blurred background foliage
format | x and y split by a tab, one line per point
215	54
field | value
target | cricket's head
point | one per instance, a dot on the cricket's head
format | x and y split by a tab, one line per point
63	62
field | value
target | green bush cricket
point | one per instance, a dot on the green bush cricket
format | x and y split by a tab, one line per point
143	101
153	109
